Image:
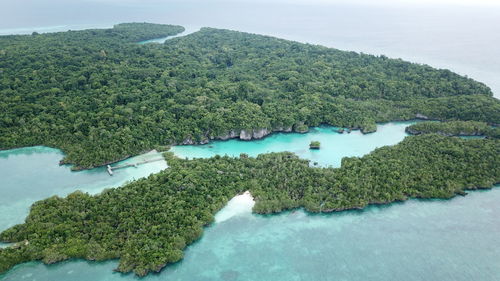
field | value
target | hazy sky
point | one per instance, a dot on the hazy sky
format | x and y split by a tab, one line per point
370	2
9	3
26	13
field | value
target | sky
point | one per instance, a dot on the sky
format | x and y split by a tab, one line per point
370	2
6	4
29	13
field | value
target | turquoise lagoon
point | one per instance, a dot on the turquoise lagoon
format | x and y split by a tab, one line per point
334	146
416	240
33	173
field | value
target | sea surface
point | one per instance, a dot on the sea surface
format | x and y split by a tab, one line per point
415	240
33	173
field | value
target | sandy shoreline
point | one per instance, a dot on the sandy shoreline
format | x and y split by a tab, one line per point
239	205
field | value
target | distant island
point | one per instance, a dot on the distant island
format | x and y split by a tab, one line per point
101	97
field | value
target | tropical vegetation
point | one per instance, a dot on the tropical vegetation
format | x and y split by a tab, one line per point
147	224
315	145
455	128
101	97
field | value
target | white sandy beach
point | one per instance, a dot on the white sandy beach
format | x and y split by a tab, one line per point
238	205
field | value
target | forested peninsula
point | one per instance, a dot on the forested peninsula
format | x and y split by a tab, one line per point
101	97
147	223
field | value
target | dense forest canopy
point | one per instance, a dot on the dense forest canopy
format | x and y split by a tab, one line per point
148	223
101	97
455	128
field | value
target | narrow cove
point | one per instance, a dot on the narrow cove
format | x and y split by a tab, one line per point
188	30
233	247
334	146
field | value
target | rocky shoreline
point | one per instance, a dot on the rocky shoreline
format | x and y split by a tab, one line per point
253	134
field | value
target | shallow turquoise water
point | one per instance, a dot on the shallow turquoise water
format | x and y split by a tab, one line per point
417	240
33	173
334	146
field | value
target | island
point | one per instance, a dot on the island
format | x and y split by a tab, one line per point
314	145
148	223
100	97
